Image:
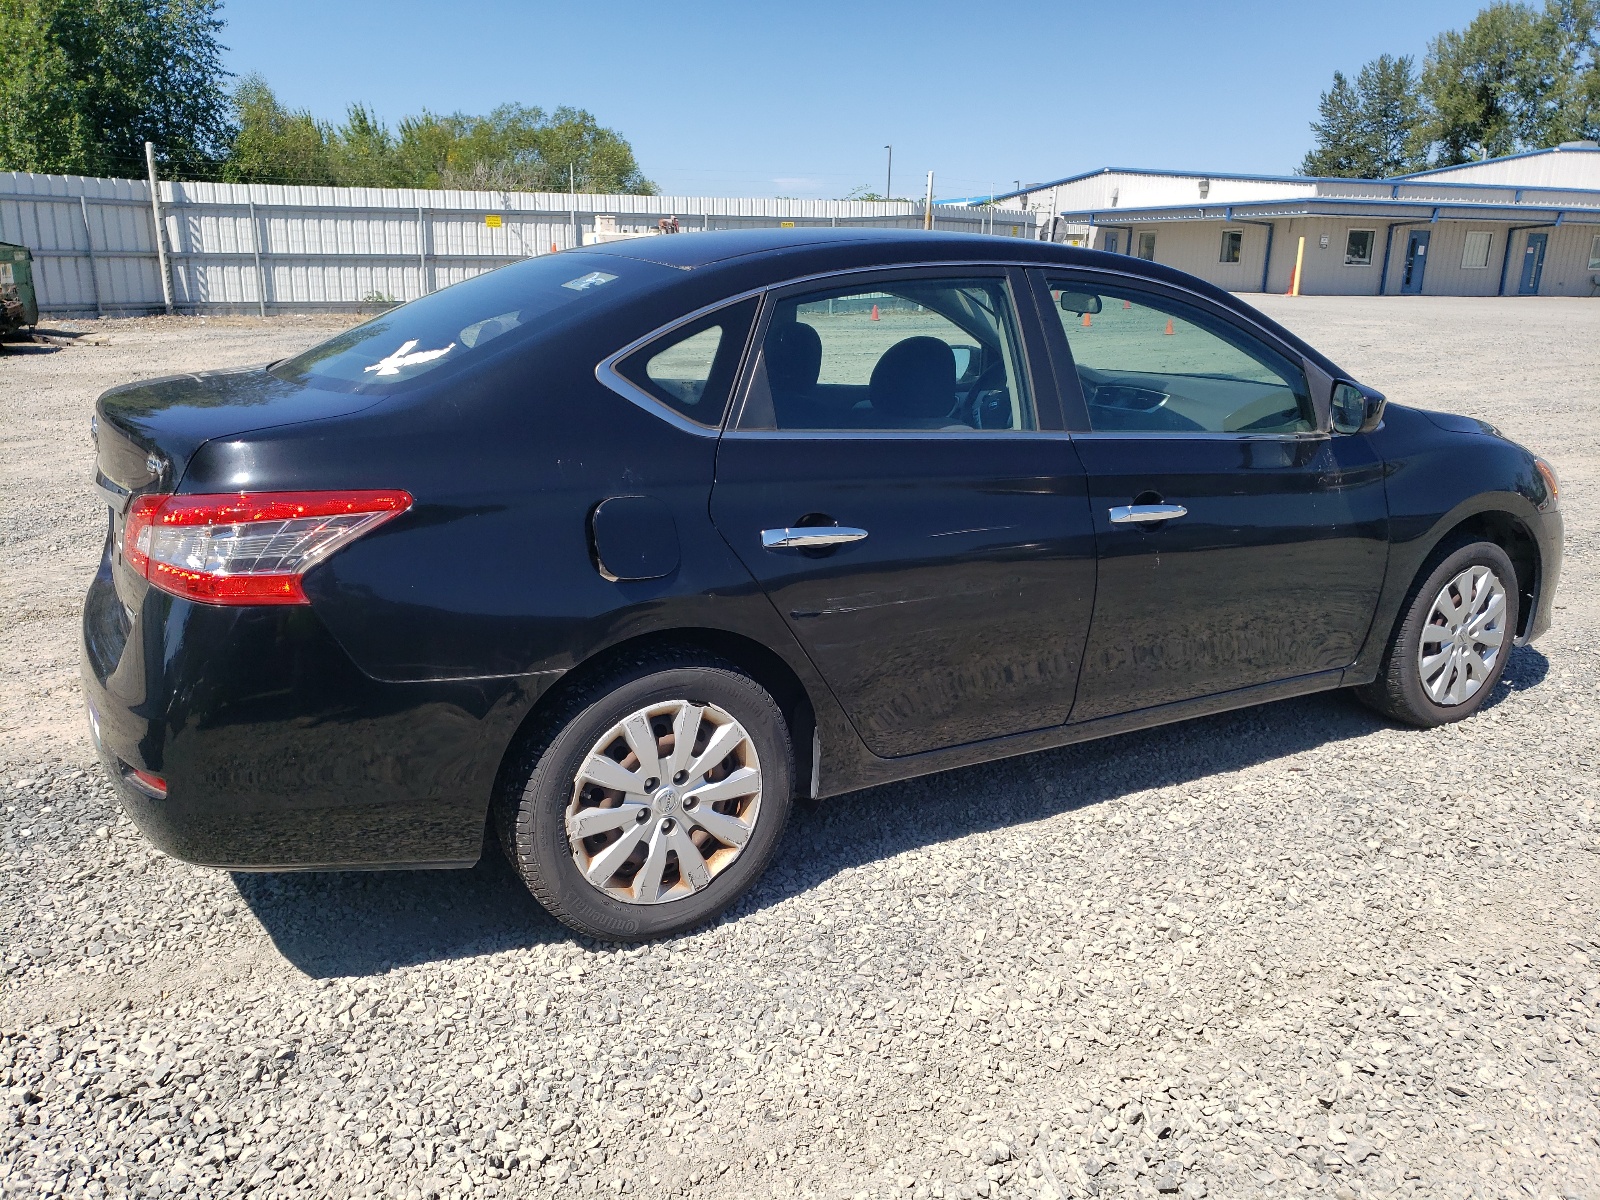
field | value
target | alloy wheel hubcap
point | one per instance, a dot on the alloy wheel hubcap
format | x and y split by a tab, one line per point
1464	637
666	800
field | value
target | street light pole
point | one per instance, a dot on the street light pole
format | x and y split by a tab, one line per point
888	176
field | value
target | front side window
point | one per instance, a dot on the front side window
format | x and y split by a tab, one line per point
921	354
1358	247
691	369
1475	251
1232	243
1152	364
1147	246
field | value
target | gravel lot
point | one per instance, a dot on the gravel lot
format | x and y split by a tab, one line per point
1289	951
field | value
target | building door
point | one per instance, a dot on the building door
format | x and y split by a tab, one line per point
1533	264
1416	261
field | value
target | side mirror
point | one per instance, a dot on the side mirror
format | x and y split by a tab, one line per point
1356	409
1079	302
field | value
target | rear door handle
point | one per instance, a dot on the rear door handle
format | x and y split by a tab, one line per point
813	535
1139	514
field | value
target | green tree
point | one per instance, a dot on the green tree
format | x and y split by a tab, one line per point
275	144
1373	128
1339	150
85	83
517	148
364	152
1516	78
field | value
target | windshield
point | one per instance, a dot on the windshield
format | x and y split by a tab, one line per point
450	326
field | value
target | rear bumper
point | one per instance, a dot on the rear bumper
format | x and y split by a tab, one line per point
277	751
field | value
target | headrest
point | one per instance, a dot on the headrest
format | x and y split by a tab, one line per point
794	357
915	378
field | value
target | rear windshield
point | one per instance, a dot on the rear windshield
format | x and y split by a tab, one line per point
453	325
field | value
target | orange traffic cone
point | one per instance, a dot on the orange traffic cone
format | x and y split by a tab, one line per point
1169	326
874	312
1086	321
1127	304
553	248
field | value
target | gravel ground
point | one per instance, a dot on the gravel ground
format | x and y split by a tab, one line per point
1288	951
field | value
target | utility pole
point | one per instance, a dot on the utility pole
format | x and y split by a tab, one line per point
888	176
161	240
927	212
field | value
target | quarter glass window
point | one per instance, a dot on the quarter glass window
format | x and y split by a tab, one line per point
922	354
1152	364
691	369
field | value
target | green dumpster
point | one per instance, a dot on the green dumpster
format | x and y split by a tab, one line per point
19	307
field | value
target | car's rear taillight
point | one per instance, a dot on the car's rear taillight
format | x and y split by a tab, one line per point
247	547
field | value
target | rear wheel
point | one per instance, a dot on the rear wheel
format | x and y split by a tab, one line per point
652	799
1451	644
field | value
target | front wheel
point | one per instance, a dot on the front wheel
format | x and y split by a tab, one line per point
1450	646
651	800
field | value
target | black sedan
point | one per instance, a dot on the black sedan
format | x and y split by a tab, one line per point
614	552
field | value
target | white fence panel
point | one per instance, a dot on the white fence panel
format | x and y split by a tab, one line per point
271	247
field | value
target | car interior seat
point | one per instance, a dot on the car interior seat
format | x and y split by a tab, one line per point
794	363
913	385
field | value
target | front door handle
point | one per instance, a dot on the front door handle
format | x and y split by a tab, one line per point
1139	514
810	536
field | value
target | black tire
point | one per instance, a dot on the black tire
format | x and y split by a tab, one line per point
536	788
1398	691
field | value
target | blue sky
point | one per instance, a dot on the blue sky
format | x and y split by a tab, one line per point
800	99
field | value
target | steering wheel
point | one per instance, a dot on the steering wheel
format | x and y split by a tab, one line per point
984	406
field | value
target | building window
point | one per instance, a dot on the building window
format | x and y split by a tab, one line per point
1232	241
1475	254
1147	246
1594	253
1358	247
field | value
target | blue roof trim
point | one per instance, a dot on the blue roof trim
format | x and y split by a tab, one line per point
1169	174
1221	212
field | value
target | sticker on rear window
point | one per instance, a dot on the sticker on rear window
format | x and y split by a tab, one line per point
592	280
404	357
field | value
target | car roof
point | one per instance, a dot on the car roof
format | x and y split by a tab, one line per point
762	257
695	249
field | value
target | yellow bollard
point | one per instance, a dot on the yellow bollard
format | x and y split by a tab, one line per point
1299	261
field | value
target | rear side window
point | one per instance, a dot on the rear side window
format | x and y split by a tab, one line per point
1154	364
691	369
922	354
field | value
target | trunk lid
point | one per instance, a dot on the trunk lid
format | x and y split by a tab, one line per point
146	432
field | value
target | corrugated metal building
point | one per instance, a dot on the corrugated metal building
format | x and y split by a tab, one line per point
268	248
1527	224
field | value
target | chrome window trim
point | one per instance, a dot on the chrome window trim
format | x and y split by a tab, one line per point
896	435
607	374
1310	435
